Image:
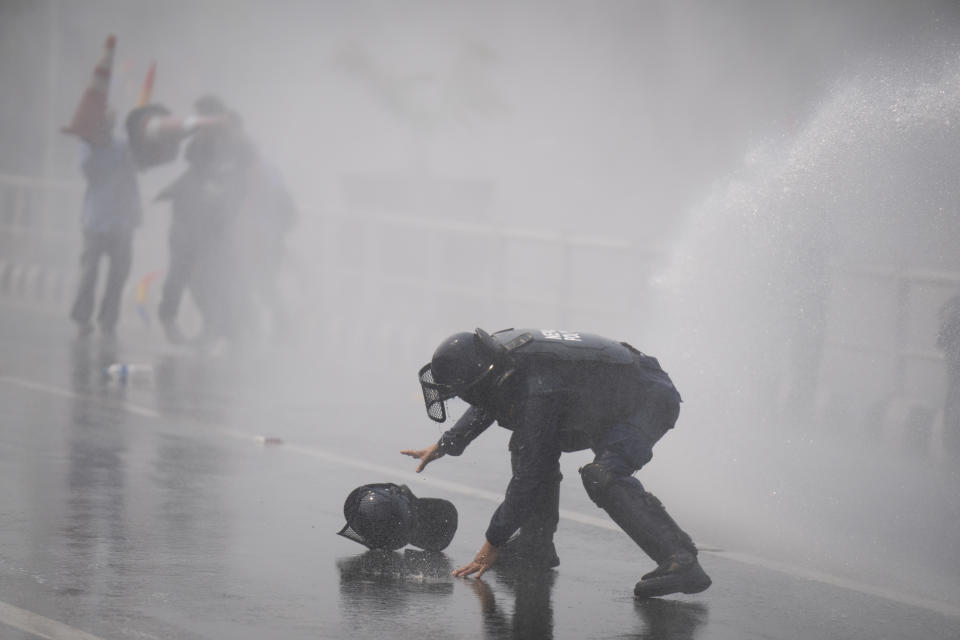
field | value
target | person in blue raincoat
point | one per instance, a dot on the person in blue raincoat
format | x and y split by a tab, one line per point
111	213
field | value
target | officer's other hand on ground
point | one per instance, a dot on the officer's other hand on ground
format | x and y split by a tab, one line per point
480	563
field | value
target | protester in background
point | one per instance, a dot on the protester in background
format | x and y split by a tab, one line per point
948	339
206	202
269	214
111	212
231	214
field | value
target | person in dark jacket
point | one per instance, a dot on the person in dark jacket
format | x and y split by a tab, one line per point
205	204
563	391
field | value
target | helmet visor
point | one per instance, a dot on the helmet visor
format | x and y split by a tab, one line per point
435	523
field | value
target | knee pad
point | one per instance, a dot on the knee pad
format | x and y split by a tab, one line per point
596	480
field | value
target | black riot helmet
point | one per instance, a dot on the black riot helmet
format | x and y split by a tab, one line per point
389	516
461	363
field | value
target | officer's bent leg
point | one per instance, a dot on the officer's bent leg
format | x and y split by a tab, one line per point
638	512
545	517
533	545
609	482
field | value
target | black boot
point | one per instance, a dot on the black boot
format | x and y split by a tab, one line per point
681	573
642	517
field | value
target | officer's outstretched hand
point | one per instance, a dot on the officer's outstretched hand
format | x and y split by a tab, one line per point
426	456
480	563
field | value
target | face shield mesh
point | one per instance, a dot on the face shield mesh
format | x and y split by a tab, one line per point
433	395
349	533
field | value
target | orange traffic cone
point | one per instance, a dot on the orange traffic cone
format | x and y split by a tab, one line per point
90	116
147	91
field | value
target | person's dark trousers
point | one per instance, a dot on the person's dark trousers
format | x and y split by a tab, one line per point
542	520
183	256
532	546
118	248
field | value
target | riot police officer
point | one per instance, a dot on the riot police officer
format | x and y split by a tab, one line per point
563	391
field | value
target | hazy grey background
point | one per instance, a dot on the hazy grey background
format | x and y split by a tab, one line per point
724	184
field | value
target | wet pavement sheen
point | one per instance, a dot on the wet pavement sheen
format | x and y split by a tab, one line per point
157	509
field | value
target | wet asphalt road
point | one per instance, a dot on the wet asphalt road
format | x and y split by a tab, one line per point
156	509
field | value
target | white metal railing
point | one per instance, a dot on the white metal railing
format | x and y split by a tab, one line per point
35	244
418	276
888	361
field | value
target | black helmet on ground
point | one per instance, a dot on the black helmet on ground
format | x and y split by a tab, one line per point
389	516
462	362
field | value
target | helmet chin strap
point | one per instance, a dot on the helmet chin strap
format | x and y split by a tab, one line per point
500	378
